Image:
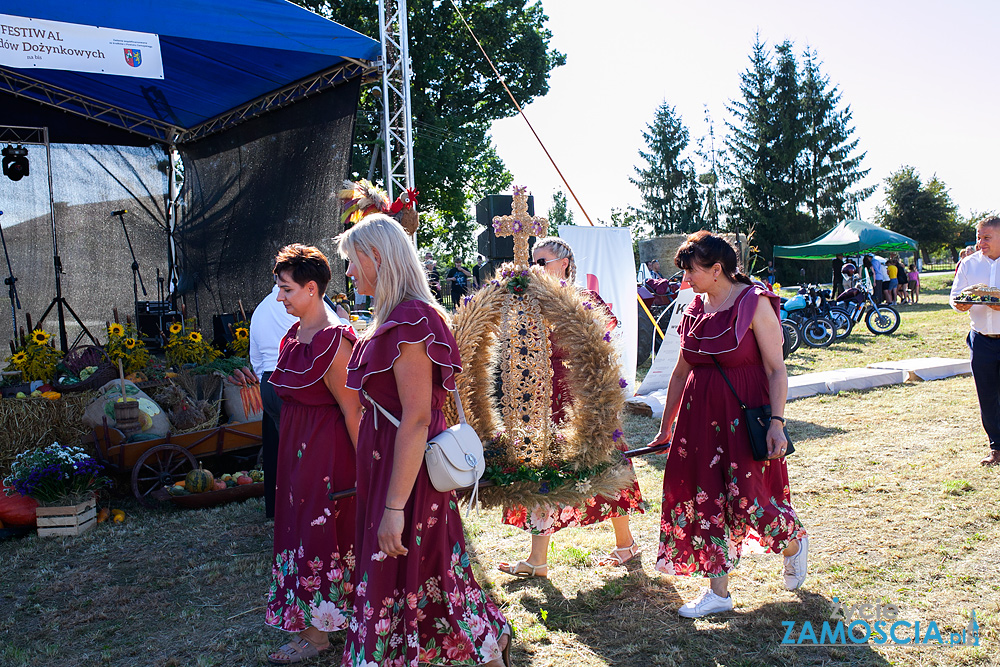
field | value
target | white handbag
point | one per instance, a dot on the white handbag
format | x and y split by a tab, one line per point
454	457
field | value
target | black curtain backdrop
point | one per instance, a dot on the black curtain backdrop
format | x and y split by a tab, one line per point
89	181
257	187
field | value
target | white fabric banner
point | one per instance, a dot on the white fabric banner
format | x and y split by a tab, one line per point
605	264
27	43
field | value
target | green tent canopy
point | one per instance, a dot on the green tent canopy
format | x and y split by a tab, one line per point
850	237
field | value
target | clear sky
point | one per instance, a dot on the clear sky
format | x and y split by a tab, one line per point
921	78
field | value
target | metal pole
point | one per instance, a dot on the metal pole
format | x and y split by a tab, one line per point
57	262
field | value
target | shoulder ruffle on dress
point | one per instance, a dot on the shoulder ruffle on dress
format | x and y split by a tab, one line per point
303	364
410	322
722	331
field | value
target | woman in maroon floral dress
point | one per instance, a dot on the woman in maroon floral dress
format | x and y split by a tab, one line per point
715	496
556	257
312	585
416	599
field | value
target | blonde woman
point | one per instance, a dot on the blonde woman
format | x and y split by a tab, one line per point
555	257
416	599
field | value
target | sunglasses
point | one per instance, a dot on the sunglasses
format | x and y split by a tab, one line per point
543	262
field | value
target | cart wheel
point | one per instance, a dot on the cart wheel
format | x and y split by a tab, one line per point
160	466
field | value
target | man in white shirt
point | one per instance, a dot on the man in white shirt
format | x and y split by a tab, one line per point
984	338
268	325
881	278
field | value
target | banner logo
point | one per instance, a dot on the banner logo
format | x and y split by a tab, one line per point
133	57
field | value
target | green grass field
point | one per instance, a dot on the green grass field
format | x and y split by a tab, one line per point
886	481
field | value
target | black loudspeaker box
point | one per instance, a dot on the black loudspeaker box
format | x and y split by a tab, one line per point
489	207
223	329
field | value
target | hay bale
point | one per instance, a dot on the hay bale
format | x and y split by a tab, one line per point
26	423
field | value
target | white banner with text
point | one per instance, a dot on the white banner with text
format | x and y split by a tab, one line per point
27	43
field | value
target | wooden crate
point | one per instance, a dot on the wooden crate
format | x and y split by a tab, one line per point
68	520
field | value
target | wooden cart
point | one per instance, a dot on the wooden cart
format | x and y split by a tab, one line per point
164	461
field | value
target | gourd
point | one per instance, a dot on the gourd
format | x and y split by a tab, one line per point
17	510
199	481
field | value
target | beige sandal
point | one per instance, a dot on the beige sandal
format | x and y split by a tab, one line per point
616	557
523	568
297	650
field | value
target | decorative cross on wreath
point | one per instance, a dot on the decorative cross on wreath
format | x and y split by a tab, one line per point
520	225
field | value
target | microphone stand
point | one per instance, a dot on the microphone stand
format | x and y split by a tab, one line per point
136	275
11	282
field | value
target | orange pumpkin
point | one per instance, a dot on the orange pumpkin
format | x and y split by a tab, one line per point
17	510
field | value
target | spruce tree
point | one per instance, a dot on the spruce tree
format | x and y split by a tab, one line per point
665	182
830	168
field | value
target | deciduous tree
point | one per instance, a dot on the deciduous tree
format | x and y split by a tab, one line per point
455	97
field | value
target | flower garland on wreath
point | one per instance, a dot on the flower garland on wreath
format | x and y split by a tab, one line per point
503	329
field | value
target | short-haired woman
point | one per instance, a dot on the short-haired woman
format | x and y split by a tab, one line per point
416	598
715	496
555	256
311	585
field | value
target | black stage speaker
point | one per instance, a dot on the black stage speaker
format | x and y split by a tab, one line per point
490	246
153	318
223	329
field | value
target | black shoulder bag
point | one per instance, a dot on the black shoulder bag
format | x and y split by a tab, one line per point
758	421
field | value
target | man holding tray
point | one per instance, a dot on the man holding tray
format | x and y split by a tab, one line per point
978	275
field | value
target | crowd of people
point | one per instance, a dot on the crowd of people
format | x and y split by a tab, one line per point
390	567
458	281
899	284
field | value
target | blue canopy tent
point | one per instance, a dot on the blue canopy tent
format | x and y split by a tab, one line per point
258	96
223	61
850	237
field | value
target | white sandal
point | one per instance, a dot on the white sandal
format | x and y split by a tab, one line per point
615	558
517	571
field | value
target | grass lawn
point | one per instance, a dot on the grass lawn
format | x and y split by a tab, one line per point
887	482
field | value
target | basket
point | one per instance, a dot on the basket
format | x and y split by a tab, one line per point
81	357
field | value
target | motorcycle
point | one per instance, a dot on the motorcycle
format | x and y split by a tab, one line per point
806	310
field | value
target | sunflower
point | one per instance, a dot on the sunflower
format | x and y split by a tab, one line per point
242	333
195	336
130	343
176	328
39	337
18	358
116	329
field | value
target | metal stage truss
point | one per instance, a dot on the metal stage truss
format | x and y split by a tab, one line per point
93	109
397	118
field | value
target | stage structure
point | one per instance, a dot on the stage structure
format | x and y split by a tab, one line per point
259	100
397	117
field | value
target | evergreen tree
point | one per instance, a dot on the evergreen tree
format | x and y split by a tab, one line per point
665	182
830	169
708	180
560	213
792	162
750	197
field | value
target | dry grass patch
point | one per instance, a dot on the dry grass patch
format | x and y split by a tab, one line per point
887	482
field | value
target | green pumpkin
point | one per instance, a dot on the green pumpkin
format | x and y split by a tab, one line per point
199	481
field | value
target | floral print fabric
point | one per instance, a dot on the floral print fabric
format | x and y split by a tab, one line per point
424	607
312	580
715	496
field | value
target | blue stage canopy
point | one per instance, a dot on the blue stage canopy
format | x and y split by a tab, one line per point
223	61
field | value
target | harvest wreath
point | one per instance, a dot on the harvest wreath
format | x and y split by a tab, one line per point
577	458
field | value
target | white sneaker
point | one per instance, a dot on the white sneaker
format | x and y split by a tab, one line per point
796	566
705	604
